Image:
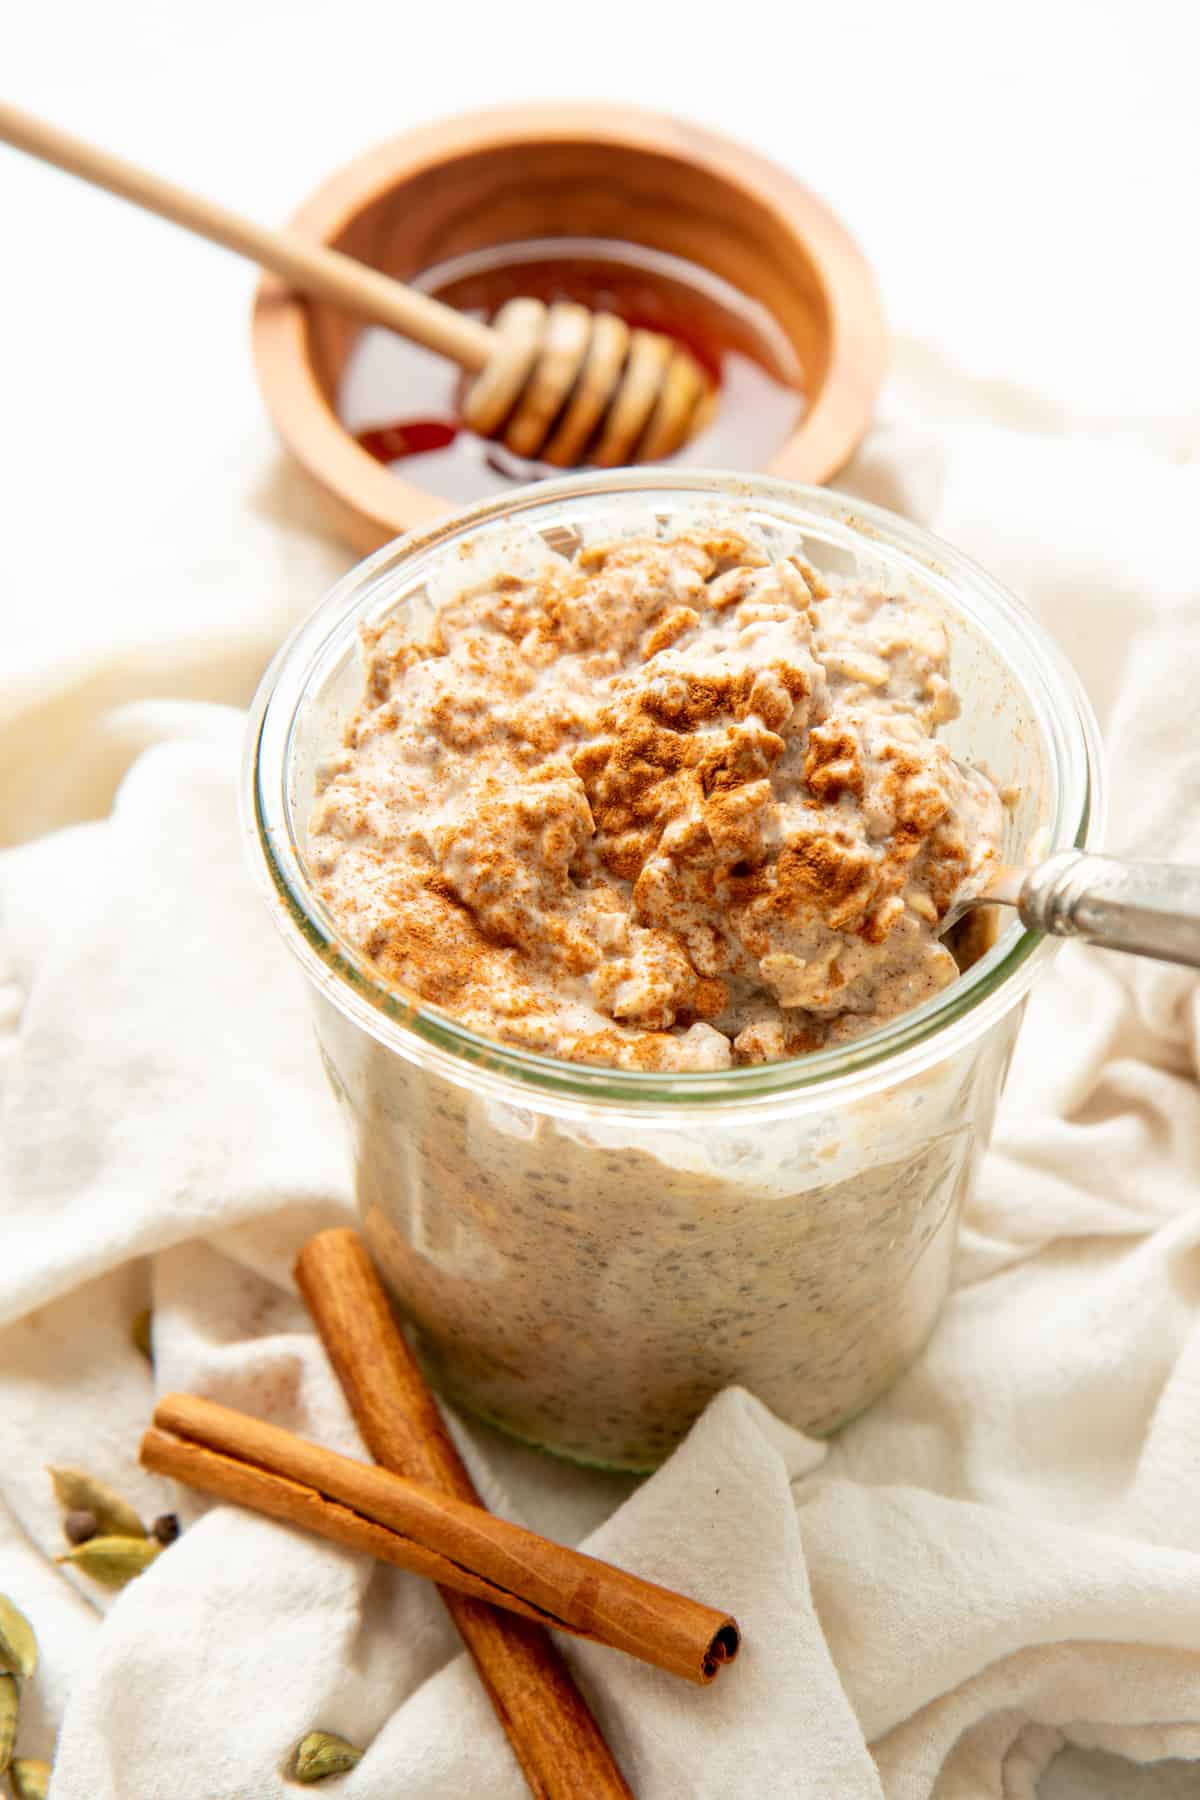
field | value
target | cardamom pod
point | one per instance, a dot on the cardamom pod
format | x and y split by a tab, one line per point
112	1561
30	1778
139	1334
8	1719
18	1646
321	1754
77	1492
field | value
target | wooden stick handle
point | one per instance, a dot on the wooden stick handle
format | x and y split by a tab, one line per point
551	1729
309	268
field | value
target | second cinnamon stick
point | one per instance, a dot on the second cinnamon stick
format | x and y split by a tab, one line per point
451	1539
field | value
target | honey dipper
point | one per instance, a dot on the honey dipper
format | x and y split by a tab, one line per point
559	383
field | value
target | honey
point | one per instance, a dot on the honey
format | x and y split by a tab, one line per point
401	401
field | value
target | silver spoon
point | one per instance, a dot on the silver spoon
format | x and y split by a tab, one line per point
1148	909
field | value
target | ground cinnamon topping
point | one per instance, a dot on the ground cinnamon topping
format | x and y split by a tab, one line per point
667	803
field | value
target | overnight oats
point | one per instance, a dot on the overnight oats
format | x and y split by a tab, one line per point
617	826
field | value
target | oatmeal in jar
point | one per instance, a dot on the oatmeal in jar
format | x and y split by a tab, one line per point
672	803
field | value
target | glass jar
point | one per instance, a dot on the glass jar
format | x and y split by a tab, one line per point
586	1255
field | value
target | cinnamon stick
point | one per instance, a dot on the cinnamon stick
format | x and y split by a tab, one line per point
279	1497
456	1544
554	1737
553	1734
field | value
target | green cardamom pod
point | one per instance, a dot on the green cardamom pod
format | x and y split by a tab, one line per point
30	1778
18	1646
77	1492
112	1561
321	1754
139	1333
79	1525
8	1719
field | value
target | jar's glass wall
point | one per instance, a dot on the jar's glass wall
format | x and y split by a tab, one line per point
587	1255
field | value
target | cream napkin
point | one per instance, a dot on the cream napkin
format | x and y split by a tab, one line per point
1003	1557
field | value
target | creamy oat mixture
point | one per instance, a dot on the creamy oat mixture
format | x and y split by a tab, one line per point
667	804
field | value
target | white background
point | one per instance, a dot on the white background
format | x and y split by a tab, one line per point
1025	178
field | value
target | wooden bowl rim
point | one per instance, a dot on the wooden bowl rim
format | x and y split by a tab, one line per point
374	502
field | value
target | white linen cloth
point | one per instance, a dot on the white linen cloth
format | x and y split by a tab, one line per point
1002	1557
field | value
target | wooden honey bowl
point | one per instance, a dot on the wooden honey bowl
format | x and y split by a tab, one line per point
541	172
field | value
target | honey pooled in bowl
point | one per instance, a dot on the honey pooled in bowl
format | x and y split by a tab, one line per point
401	402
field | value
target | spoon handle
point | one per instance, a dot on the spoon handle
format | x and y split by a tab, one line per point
1150	909
308	268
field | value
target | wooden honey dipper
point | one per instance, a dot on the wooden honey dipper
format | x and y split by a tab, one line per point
559	382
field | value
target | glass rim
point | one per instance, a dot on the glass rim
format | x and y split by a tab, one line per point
422	1033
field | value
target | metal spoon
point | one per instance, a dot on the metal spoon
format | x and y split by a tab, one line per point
1147	909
